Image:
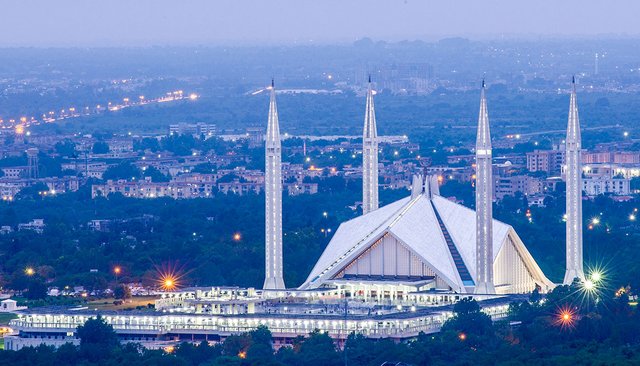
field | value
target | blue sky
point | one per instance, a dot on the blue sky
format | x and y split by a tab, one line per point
189	22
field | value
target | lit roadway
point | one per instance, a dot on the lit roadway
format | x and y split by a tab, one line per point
553	132
23	123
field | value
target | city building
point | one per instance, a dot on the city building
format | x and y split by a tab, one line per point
36	225
15	172
255	136
147	189
509	186
240	188
100	225
194	129
548	161
295	189
616	157
596	185
10	187
120	145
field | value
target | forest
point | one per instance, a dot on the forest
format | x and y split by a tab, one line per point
198	235
221	241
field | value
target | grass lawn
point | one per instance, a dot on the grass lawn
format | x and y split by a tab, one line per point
107	304
5	317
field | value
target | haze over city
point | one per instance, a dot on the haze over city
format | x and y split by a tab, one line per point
73	23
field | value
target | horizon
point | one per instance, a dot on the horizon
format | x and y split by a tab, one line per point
68	23
343	43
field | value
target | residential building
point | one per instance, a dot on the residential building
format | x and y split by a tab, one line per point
548	161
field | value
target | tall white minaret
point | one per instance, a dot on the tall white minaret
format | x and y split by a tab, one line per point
573	172
484	202
273	200
369	156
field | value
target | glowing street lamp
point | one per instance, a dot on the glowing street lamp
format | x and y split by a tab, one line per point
170	277
116	271
237	237
168	284
589	285
565	317
29	271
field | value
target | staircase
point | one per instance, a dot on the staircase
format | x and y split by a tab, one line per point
465	276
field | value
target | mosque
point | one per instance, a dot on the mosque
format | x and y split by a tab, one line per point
422	242
393	272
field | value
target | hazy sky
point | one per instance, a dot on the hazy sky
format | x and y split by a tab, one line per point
188	22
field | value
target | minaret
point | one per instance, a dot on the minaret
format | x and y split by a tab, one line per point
573	172
369	157
273	200
484	202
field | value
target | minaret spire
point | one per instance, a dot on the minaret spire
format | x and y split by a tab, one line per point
573	174
273	199
369	156
484	202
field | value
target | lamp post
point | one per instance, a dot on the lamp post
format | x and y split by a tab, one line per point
116	271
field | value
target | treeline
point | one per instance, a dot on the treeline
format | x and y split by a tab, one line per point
198	236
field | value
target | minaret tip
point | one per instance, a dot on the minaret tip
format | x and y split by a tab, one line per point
483	84
369	156
272	83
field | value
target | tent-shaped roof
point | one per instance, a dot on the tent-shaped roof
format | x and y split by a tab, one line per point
416	222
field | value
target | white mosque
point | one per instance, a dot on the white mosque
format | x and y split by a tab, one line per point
393	272
426	240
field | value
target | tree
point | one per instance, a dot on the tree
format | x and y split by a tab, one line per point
122	292
37	289
124	170
235	344
197	354
97	339
97	331
155	175
319	349
32	192
100	147
261	349
468	319
66	148
635	183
